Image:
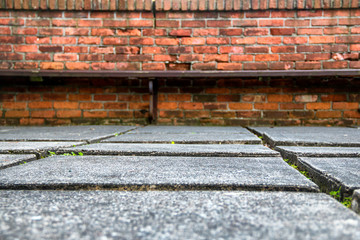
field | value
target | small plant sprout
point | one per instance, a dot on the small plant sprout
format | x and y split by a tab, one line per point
172	142
52	153
346	201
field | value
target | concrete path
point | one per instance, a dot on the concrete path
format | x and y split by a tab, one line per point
174	183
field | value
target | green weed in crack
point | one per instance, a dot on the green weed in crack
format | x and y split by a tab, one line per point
305	173
346	201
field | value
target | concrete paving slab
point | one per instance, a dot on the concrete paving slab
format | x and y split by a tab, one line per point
292	152
163	173
174	215
191	138
310	136
39	148
63	133
227	150
332	173
189	130
8	160
355	204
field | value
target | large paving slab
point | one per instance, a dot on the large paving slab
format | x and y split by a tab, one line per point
188	130
192	138
292	152
141	172
8	160
229	150
63	133
174	215
39	148
310	136
333	173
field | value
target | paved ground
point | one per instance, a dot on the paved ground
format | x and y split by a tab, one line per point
111	182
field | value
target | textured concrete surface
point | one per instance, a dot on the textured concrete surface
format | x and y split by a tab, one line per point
34	147
73	133
292	152
174	215
355	204
156	172
194	138
227	150
8	160
189	130
334	172
310	136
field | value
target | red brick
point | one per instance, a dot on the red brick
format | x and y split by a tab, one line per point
218	23
282	49
141	41
192	41
65	57
191	57
321	39
168	105
271	23
230	49
205	32
10	56
349	21
216	58
43	114
68	113
231	32
295	40
297	22
229	66
5	31
345	105
241	58
324	22
317	56
245	23
310	31
306	98
240	106
335	65
338	30
140	23
91	105
269	40
103	66
245	41
193	23
191	106
40	105
167	23
308	48
77	66
256	49
292	57
14	105
11	39
279	98
258	14
89	40
115	105
102	32
134	105
163	58
50	48
282	31
318	106
105	97
291	106
136	32
266	106
64	23
153	66
153	50
204	66
167	41
16	114
256	31
127	50
37	40
25	48
348	39
328	114
63	40
256	66
51	65
352	114
181	32
26	65
38	22
95	23
267	57
206	49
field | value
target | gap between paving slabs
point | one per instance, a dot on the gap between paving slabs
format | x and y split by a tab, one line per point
327	183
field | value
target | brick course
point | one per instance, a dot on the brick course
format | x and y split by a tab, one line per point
240	101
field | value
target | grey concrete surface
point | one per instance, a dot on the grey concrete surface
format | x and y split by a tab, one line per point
355	204
333	173
310	136
292	152
8	160
63	133
138	172
34	147
189	130
191	138
174	215
228	150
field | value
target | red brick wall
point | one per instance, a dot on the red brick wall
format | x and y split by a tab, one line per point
247	101
242	40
